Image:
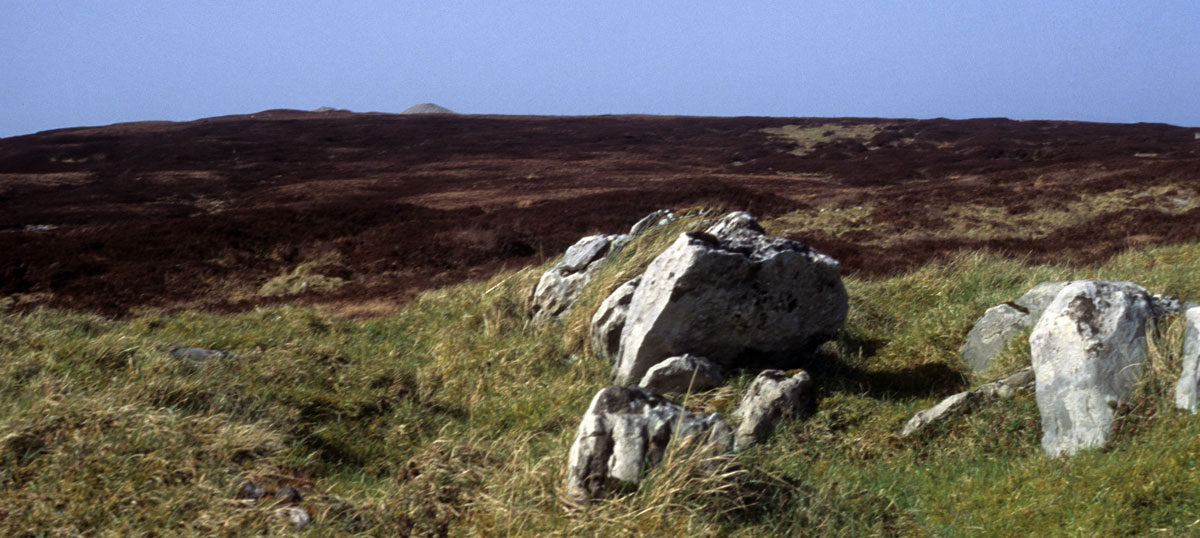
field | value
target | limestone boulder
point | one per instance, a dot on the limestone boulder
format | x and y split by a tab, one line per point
1187	391
1087	349
772	396
1002	389
1002	323
679	374
609	320
744	294
559	288
624	432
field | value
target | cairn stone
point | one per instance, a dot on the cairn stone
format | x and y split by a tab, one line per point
624	432
609	320
1187	391
559	288
772	396
1002	389
678	374
728	297
1088	349
1002	323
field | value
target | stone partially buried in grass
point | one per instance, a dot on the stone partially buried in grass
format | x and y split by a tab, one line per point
624	432
1187	391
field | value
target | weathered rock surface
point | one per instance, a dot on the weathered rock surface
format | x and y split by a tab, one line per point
559	288
609	320
728	297
678	374
738	220
1002	389
1003	322
624	432
657	218
1187	391
772	396
1088	350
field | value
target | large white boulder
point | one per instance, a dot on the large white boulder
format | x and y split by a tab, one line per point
1187	391
743	293
559	288
625	431
1087	350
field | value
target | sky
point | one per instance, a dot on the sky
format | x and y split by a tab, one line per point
84	62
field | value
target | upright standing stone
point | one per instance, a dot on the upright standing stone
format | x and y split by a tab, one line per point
1088	350
1187	391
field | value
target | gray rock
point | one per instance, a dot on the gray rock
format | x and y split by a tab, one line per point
250	491
559	288
1001	323
288	494
772	396
1088	350
294	515
726	297
199	354
658	218
609	320
738	220
624	432
1002	389
992	333
678	374
1187	391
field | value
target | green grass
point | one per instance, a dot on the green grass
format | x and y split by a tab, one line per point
454	417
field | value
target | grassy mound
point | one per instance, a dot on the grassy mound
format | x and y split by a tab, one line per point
454	417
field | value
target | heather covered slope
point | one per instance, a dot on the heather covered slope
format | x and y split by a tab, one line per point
363	211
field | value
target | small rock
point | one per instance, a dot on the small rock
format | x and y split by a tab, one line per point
1088	349
658	218
288	494
251	491
294	515
609	320
737	220
559	288
1003	389
1187	391
199	354
772	396
678	374
1001	323
625	431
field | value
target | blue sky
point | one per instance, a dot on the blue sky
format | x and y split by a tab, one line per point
84	62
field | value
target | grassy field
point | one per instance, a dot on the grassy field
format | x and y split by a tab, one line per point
454	416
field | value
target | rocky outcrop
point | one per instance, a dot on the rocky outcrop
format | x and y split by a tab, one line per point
609	320
559	288
681	374
1005	388
772	396
1002	323
624	432
743	293
1187	391
1087	350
